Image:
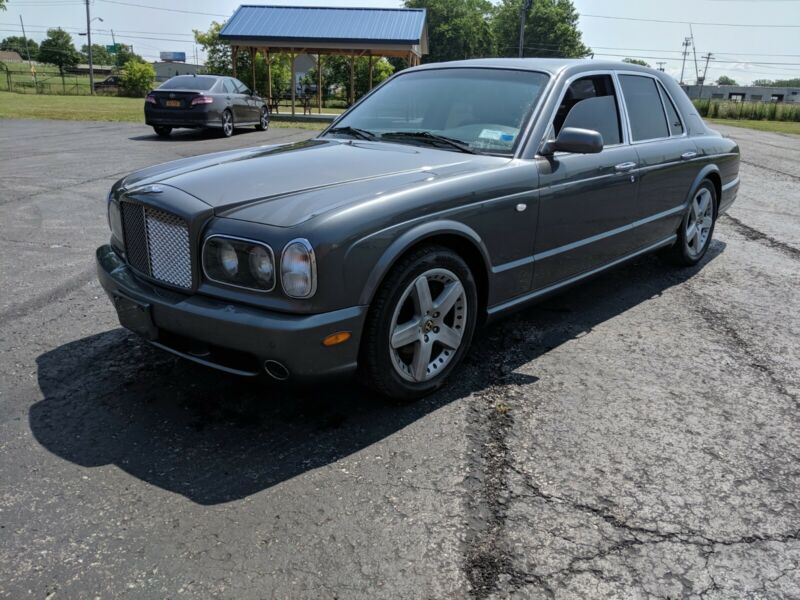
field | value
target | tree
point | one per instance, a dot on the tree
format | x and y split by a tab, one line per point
551	30
777	82
336	72
57	49
219	62
2	4
636	61
16	43
137	78
100	56
457	29
725	80
124	55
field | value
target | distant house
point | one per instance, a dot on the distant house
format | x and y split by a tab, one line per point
744	93
10	56
167	69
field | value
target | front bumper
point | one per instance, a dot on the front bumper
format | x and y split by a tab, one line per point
230	337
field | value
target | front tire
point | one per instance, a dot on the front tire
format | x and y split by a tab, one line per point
420	324
227	123
696	229
162	131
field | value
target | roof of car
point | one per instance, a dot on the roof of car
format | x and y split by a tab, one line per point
548	65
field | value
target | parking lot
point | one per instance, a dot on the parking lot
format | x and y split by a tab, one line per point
634	437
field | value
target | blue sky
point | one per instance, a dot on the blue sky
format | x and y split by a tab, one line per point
745	53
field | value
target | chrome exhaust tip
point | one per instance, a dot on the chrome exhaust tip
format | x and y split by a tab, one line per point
276	370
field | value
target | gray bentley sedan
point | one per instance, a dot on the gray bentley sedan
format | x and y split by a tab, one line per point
450	195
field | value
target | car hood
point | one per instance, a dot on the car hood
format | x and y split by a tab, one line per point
288	184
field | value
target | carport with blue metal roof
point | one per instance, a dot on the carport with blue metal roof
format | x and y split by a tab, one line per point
320	31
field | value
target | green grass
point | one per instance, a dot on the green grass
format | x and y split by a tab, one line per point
71	108
792	127
92	108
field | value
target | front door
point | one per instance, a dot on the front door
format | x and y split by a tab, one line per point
587	201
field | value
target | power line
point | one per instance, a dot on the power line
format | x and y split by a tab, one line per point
176	10
640	19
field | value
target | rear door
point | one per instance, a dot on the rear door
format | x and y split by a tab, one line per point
253	109
587	201
665	153
236	101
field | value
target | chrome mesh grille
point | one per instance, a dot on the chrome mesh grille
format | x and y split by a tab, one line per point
157	244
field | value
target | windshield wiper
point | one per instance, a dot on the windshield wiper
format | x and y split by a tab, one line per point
355	132
432	138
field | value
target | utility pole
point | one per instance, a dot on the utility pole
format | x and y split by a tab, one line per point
89	40
28	50
686	42
523	16
705	71
113	40
694	51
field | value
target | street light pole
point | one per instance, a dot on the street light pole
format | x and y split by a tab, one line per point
89	40
525	7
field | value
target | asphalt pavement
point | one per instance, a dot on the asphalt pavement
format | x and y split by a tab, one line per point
636	437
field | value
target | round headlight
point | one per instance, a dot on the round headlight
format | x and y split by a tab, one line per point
261	265
228	259
298	269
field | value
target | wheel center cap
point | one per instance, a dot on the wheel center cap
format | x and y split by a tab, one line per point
427	327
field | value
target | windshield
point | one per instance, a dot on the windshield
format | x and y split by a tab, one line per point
188	82
483	109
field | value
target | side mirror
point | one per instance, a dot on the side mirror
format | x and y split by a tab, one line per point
575	141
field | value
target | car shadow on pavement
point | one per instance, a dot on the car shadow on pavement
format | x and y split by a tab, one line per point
112	399
190	135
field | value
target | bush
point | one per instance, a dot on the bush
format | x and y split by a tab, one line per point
753	111
137	78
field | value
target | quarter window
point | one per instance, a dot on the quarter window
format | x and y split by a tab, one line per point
645	111
675	125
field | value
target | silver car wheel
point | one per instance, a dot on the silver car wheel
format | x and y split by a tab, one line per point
227	123
264	120
427	326
701	219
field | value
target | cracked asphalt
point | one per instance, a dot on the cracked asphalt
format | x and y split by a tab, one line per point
635	437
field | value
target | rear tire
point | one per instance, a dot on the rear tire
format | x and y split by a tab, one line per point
420	324
696	229
162	130
263	120
227	123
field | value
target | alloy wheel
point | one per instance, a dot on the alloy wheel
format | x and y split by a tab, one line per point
701	219
227	124
427	326
264	120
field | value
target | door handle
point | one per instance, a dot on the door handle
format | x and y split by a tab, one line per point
689	155
625	167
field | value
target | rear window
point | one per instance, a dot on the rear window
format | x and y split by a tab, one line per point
188	82
645	111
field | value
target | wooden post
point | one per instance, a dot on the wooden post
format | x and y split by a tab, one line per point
370	71
269	76
253	67
234	52
294	83
352	79
319	84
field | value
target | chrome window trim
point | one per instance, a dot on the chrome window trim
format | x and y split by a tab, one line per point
633	142
565	86
233	285
313	256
